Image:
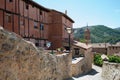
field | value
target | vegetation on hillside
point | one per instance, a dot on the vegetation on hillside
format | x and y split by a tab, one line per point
99	34
118	29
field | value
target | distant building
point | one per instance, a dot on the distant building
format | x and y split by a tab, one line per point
113	49
106	48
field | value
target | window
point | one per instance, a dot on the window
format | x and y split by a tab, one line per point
10	0
27	6
8	18
76	51
113	47
41	27
36	44
35	25
40	12
33	6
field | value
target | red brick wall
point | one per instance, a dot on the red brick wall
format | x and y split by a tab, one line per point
21	7
8	25
1	18
16	27
10	6
66	23
33	12
2	4
57	28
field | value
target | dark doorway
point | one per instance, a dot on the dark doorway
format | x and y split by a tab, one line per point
37	44
76	51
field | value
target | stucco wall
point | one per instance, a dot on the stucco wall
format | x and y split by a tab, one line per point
111	71
21	60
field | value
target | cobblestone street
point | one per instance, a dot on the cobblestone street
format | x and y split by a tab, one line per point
94	74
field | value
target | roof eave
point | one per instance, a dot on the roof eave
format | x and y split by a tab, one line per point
64	15
37	5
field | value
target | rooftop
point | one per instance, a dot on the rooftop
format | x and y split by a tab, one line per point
100	45
103	45
82	45
46	9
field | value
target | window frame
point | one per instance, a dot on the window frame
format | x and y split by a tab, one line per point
41	27
26	6
8	18
77	51
35	25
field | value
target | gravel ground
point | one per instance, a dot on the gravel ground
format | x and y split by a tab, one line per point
94	74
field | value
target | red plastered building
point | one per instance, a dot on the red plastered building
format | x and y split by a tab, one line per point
34	22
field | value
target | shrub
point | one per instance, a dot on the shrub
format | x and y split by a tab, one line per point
98	60
114	58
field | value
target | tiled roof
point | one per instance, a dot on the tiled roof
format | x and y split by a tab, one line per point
100	45
103	45
82	45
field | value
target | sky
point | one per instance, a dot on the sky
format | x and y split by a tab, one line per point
91	12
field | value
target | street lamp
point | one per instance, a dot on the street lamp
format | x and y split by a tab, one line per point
69	31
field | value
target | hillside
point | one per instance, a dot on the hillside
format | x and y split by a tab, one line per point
99	33
118	29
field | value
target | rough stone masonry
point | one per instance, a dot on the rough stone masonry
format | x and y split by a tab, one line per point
21	60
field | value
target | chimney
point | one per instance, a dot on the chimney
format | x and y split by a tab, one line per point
66	12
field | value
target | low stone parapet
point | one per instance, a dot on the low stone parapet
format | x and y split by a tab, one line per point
111	71
77	64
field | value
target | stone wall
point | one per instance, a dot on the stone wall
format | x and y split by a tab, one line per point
99	50
111	71
88	60
113	50
21	60
82	64
77	66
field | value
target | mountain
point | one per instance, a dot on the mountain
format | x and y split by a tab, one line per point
118	29
99	34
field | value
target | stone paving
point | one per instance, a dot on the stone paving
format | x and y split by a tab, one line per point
94	74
